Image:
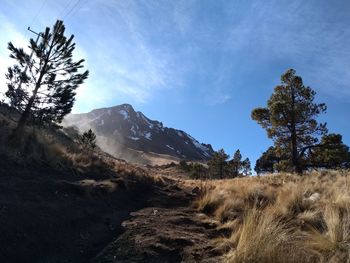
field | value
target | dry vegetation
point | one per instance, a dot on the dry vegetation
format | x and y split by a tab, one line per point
282	218
274	218
52	148
61	150
62	202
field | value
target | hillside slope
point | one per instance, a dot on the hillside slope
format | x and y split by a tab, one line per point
60	202
121	131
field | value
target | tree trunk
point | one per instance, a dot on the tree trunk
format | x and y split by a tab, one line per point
221	170
24	117
295	158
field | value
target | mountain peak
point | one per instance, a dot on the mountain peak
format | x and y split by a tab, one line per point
125	106
122	127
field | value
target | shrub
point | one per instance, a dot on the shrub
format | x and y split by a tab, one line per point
88	139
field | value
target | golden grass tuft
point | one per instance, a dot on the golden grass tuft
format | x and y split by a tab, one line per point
264	238
282	217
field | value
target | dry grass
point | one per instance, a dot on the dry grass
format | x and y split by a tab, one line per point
43	148
50	148
282	218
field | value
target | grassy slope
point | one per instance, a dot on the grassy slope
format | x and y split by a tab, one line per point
282	218
60	202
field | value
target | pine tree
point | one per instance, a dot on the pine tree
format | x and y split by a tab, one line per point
42	86
267	161
88	139
218	164
198	171
331	153
289	118
246	166
236	163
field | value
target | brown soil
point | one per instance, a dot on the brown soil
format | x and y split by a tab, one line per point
51	216
169	231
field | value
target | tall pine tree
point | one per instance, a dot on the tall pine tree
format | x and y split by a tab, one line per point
236	163
290	118
42	86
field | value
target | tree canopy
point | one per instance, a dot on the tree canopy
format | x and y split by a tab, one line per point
88	139
331	153
290	118
236	163
221	167
218	164
300	142
41	85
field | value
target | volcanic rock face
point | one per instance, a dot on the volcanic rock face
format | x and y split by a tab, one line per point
120	127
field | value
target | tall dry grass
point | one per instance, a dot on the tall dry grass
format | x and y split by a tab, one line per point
61	150
282	218
52	148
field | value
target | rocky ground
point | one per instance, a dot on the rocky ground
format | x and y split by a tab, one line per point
169	231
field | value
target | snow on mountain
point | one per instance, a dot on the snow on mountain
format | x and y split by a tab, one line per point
123	126
124	114
148	135
171	148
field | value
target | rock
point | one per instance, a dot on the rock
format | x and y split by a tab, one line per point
196	191
312	198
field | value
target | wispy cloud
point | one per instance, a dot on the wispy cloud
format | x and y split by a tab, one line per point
217	98
315	42
183	15
138	50
134	67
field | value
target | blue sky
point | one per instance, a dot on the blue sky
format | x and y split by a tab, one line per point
199	66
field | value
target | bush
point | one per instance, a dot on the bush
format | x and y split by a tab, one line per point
88	139
194	170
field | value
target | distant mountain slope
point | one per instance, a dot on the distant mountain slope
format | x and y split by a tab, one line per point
121	131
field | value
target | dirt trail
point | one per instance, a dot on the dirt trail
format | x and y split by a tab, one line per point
169	231
50	216
57	217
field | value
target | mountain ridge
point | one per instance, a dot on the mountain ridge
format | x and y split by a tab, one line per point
120	128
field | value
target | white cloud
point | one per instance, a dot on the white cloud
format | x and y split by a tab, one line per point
131	66
217	98
182	15
296	35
